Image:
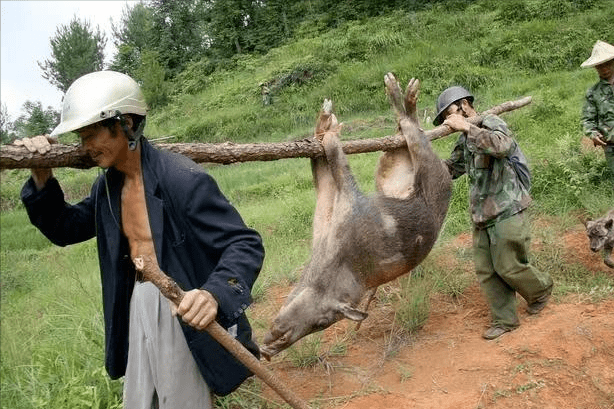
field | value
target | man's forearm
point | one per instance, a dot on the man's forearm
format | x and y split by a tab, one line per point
41	176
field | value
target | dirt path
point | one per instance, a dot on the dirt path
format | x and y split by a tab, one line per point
561	359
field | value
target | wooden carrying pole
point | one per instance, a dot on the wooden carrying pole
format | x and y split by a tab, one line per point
18	157
170	289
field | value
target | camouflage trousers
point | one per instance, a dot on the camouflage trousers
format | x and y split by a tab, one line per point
609	159
501	262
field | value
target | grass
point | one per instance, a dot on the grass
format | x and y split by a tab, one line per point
51	328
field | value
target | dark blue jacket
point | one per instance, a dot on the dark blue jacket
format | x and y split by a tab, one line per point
200	240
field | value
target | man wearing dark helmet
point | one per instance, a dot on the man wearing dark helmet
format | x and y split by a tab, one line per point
499	183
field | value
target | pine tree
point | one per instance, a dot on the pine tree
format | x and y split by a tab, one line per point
76	49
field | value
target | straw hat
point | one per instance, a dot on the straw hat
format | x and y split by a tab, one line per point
602	52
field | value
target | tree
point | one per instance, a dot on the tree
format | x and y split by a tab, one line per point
76	49
180	32
36	120
133	37
6	126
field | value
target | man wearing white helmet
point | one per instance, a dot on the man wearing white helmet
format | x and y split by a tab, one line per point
598	110
499	183
163	206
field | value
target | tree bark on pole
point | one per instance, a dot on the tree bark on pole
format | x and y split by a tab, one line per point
169	289
18	157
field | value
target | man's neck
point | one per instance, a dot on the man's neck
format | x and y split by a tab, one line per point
131	165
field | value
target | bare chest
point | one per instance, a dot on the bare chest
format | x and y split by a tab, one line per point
135	220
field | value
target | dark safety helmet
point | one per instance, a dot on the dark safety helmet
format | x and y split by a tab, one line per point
447	98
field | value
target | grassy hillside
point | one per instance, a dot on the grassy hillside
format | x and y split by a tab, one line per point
52	335
499	50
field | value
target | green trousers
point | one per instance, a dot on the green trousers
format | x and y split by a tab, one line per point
609	158
503	269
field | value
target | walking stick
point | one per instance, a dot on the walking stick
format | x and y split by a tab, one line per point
169	288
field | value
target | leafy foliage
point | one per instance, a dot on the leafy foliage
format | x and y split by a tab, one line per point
6	126
35	120
132	36
571	177
76	49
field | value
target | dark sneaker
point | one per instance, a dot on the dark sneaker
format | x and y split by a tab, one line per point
536	306
495	332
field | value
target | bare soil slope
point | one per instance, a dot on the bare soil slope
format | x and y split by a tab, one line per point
561	359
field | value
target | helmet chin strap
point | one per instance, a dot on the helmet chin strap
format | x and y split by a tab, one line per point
133	136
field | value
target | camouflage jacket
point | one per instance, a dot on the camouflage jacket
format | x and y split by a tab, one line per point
598	111
496	191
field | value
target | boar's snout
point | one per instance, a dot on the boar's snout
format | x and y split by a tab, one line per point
306	313
274	342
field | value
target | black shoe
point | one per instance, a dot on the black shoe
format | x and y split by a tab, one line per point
495	332
536	306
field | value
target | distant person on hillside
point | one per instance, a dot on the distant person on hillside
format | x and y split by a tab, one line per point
598	111
499	182
165	207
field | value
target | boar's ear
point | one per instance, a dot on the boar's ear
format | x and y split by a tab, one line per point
352	313
608	224
589	224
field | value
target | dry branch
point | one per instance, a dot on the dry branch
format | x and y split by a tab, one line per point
17	157
169	288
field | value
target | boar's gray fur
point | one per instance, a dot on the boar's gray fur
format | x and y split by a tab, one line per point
360	241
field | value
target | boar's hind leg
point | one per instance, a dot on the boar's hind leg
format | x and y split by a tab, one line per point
397	168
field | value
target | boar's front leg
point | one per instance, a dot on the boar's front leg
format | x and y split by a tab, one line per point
323	181
327	132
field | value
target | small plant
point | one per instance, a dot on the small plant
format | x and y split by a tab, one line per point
529	385
453	282
306	353
500	393
412	305
248	396
405	373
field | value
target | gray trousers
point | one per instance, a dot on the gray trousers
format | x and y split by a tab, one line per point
161	371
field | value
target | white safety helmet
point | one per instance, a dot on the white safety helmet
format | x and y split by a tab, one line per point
98	96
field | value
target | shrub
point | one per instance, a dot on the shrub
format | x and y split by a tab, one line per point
569	179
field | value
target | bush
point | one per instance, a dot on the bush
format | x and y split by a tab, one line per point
151	74
571	177
513	11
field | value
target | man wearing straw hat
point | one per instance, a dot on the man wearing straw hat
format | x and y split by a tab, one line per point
598	111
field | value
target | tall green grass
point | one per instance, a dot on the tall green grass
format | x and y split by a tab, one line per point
52	330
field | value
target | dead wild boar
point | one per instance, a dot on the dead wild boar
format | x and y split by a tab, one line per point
600	233
360	241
